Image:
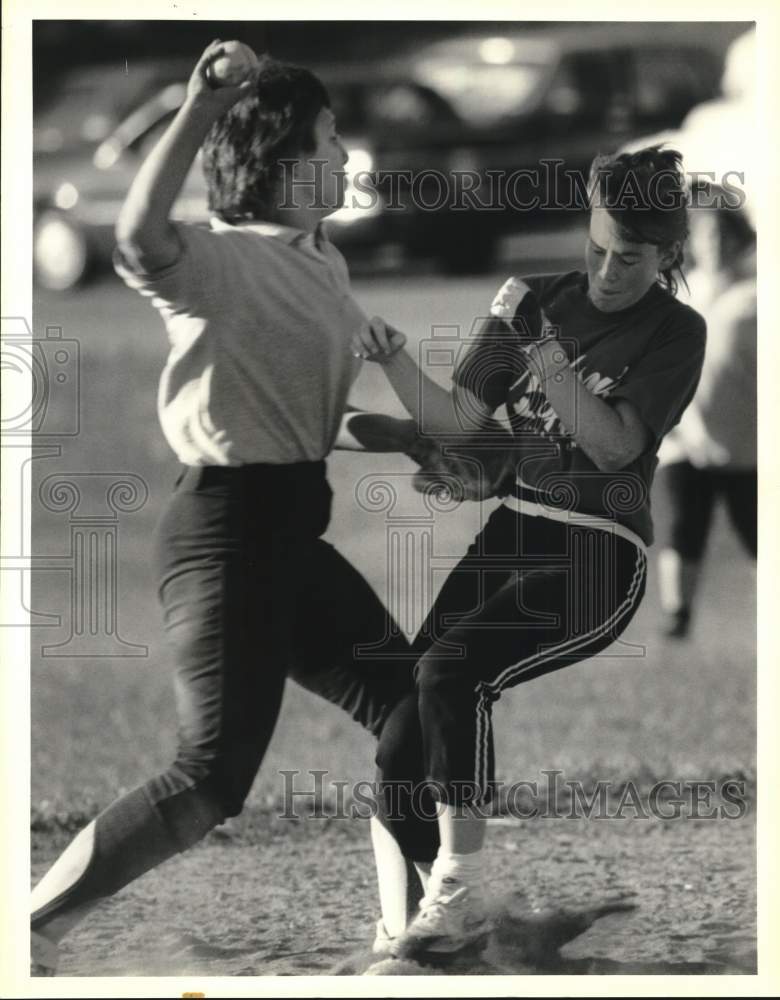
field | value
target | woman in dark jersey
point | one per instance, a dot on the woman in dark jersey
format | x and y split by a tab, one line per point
593	367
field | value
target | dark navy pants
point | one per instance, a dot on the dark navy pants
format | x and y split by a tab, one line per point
251	595
530	596
691	495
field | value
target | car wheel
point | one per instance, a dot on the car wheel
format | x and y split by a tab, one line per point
61	252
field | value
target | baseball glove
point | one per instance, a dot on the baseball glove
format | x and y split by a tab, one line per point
475	468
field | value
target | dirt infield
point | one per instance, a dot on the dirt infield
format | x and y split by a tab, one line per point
571	897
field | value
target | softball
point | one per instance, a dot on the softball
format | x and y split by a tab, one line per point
233	67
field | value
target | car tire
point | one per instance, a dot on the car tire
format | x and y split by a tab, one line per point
62	256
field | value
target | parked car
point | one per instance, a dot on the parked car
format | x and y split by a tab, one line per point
69	123
471	110
91	101
525	98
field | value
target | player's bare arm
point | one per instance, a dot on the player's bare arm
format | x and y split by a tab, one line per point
612	435
445	413
375	432
143	230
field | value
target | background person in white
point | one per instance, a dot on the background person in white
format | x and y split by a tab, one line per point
259	317
712	453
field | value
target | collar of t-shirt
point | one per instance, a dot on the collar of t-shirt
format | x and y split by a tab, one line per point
312	243
655	293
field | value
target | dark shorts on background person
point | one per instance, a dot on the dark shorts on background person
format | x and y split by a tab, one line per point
691	494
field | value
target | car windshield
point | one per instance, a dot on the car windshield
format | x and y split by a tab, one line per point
88	104
482	94
79	114
382	107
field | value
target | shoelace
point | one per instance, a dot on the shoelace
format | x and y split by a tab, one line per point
429	905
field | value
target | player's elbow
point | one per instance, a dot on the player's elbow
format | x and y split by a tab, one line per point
129	241
130	248
612	461
138	227
130	224
145	244
133	235
618	454
624	444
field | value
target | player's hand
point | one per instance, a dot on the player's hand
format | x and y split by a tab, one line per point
200	91
480	466
545	357
376	341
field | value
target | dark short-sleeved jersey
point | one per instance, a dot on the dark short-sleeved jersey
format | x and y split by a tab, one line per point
650	354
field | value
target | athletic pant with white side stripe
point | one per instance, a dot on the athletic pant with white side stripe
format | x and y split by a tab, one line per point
531	595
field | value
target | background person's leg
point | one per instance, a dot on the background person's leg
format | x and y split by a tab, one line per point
689	494
741	492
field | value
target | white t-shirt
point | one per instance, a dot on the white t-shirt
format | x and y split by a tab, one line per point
719	428
259	319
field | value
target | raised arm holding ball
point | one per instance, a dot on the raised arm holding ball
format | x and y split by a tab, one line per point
259	314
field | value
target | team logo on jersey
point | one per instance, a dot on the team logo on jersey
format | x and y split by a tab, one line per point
529	409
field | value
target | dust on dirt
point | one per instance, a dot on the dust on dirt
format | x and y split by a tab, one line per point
570	896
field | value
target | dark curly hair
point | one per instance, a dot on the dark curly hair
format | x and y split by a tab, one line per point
646	193
243	149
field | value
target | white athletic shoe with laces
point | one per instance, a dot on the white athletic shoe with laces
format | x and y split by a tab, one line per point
447	923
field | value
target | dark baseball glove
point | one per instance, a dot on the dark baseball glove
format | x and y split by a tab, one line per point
476	467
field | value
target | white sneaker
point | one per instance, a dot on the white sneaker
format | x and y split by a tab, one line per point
44	955
445	924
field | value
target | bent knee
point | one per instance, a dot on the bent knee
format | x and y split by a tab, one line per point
399	750
214	779
437	675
